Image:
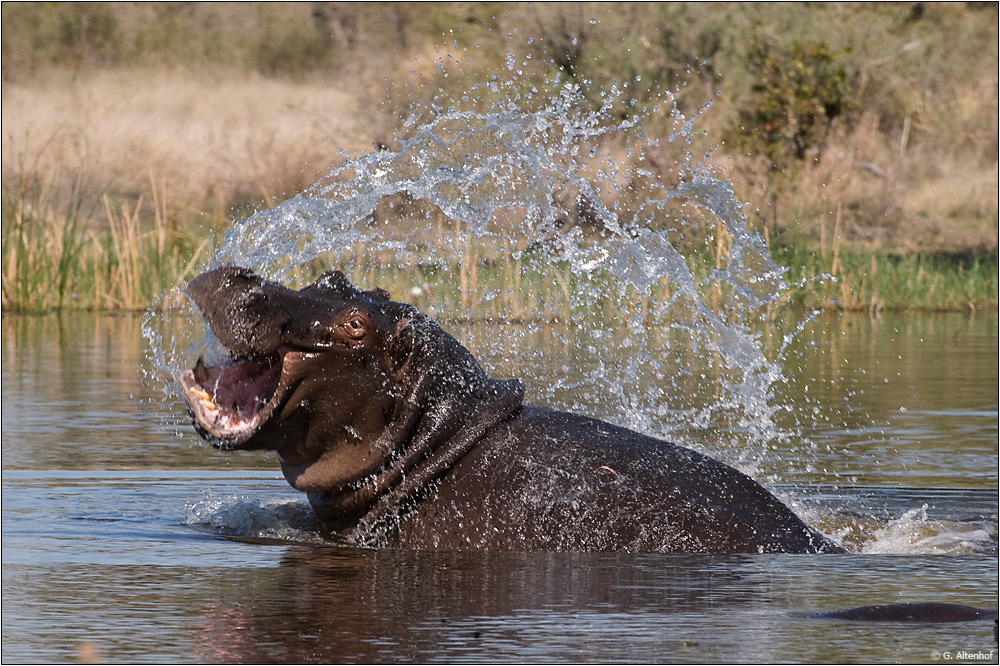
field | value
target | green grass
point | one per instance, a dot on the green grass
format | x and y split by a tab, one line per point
54	258
882	281
483	283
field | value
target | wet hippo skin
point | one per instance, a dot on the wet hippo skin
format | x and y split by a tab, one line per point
400	439
919	612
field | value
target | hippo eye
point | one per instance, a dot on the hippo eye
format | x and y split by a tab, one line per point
355	328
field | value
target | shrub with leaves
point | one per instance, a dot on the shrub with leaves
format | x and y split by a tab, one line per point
797	94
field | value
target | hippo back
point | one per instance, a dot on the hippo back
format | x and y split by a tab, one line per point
550	480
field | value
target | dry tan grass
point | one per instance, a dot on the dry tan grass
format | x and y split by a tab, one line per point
210	140
116	182
928	187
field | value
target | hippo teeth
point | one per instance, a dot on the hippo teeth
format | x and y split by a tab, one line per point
201	393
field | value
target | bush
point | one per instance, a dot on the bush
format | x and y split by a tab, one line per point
797	94
37	34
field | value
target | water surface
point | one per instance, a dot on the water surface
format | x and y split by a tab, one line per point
125	535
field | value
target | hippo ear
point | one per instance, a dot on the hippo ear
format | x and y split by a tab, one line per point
379	294
336	282
401	350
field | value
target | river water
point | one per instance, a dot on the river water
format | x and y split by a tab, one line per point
125	538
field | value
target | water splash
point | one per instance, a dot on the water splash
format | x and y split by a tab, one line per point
915	532
563	226
874	520
251	518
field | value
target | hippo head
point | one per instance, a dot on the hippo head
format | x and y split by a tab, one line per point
366	401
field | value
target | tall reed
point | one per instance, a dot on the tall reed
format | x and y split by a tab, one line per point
860	281
42	241
57	256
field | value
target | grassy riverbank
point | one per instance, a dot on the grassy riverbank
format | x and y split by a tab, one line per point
54	259
135	134
880	281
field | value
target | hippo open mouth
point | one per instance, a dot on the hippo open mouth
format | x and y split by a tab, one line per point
280	342
231	402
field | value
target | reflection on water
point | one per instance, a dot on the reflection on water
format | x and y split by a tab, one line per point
905	400
122	530
72	399
522	607
104	557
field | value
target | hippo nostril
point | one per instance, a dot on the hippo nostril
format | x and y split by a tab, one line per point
255	296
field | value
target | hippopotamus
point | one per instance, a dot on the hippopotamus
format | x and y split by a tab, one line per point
400	439
913	612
